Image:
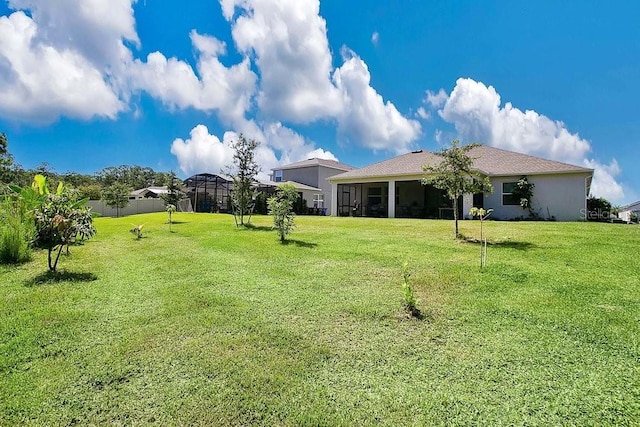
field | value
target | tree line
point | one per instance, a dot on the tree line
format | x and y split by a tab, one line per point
88	186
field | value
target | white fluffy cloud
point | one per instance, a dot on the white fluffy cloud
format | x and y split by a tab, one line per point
288	39
215	87
366	117
423	113
604	180
40	82
95	29
291	145
289	42
73	58
204	152
436	100
475	111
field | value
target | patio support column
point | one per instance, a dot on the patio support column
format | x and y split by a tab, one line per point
334	199
467	204
391	201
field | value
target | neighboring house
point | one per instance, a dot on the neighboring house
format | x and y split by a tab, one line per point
312	173
626	211
393	188
306	192
148	193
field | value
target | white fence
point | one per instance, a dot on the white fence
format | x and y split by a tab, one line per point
134	207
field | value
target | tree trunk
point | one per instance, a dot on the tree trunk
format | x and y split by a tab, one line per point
55	264
455	215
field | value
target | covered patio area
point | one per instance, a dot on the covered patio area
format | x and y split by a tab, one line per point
394	199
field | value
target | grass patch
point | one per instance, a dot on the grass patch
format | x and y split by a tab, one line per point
217	325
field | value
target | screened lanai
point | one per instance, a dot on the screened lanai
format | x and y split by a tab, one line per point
209	192
411	199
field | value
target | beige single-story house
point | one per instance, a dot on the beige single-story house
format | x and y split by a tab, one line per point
393	188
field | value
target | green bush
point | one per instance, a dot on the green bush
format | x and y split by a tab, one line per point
15	238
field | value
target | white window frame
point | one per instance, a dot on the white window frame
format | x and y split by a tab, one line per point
318	200
516	202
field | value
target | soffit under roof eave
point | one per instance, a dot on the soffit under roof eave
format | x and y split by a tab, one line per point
375	178
576	172
407	176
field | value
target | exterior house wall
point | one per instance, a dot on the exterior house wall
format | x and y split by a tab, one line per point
308	196
307	176
561	196
314	176
323	183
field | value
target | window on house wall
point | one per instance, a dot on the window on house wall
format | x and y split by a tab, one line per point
318	200
278	176
508	199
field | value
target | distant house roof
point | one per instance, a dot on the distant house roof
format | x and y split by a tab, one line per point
316	162
631	207
299	186
489	161
145	192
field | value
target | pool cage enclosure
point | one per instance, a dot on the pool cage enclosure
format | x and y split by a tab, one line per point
209	192
212	193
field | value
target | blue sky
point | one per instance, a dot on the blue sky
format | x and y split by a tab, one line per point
169	84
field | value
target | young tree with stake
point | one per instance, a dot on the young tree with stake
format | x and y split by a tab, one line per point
281	208
243	172
455	175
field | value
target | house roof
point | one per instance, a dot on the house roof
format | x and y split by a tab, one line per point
155	190
496	162
631	207
489	161
316	162
298	185
405	164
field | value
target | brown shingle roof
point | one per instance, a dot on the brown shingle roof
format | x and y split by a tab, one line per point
316	162
488	160
405	164
495	162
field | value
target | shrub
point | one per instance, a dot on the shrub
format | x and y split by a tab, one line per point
59	219
281	207
15	238
17	229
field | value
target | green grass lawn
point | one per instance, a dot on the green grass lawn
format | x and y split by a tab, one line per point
213	325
